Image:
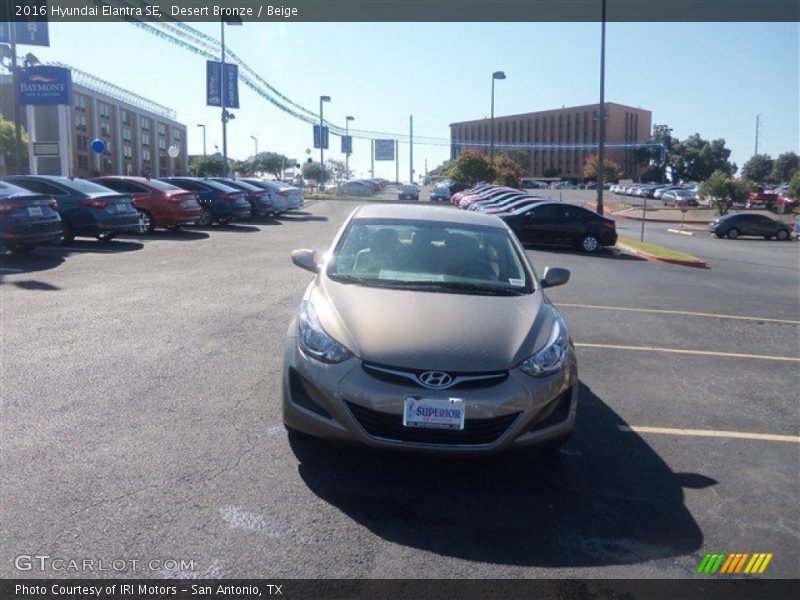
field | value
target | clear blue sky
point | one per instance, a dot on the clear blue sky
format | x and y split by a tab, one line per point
710	78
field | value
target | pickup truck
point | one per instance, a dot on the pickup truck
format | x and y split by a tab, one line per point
776	201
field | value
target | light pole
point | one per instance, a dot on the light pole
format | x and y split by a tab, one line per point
11	51
321	140
758	124
204	138
226	116
350	146
255	142
495	75
601	146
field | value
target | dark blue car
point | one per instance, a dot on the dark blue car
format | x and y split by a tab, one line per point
26	219
86	208
259	199
220	202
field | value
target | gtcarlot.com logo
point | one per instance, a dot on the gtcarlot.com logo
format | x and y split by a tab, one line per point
45	562
734	563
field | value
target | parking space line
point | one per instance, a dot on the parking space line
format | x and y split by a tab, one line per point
739	435
681	351
680	312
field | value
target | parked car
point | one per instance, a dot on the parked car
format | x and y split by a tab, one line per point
456	197
408	192
440	193
284	197
459	332
355	188
678	197
86	208
736	225
219	202
158	203
259	198
27	219
486	194
497	200
513	205
562	224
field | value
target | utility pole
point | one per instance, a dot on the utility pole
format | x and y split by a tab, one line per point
17	125
758	123
350	145
222	102
495	75
204	138
411	148
255	142
602	138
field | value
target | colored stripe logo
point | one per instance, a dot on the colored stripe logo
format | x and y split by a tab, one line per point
734	563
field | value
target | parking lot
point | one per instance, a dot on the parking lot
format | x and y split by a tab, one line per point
141	419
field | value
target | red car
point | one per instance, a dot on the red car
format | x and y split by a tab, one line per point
159	204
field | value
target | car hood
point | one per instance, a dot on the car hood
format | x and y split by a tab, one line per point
430	330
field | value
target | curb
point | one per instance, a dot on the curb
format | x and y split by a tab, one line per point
667	221
699	264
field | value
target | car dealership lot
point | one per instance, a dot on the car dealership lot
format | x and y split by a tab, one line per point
141	419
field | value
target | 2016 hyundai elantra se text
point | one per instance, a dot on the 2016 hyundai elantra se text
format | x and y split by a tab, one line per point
426	328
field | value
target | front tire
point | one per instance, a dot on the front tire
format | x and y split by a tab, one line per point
590	243
782	235
733	233
146	223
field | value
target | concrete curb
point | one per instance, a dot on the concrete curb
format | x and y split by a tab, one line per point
652	257
593	205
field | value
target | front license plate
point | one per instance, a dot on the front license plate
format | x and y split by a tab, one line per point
35	211
433	413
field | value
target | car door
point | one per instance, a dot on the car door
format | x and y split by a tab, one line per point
765	225
537	225
569	227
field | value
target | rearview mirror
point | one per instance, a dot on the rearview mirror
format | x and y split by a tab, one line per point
554	276
306	259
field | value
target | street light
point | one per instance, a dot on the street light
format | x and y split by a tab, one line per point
321	145
601	145
204	138
495	75
255	141
226	116
347	154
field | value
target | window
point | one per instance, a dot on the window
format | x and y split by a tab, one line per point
80	102
145	140
544	212
126	134
124	187
145	123
42	187
83	162
176	134
162	143
127	150
104	109
105	129
80	122
146	154
126	117
82	142
162	130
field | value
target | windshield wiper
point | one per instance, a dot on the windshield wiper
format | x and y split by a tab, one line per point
460	286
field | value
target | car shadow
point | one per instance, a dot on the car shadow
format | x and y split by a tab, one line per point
292	217
13	264
177	235
265	221
232	227
606	498
607	253
92	246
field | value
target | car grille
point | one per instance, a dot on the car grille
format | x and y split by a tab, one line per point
461	380
390	427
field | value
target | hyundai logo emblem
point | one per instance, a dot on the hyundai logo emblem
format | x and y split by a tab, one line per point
435	379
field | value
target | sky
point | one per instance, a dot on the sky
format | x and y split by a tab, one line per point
706	78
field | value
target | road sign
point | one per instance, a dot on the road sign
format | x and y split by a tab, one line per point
27	30
384	149
173	152
684	207
98	146
296	165
324	137
214	86
347	144
45	149
308	150
44	85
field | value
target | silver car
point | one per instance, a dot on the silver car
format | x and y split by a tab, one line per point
426	328
284	197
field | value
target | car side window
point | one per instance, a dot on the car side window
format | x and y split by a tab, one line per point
189	185
43	187
547	212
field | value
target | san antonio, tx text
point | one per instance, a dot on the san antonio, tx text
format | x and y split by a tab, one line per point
235	591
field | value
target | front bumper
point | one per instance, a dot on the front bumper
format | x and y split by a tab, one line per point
344	403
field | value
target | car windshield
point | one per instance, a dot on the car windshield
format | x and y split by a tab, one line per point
430	255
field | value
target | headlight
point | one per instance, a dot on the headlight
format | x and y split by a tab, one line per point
552	356
315	341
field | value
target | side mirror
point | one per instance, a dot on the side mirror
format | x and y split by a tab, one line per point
306	259
554	276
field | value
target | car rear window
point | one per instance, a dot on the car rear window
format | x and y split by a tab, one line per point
162	186
83	186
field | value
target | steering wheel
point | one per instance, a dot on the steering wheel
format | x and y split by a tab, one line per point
477	270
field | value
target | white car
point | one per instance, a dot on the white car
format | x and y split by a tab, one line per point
284	197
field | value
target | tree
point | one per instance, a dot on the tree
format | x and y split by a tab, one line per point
521	158
206	166
8	144
658	158
724	191
794	185
245	168
312	170
470	167
269	162
507	171
442	170
340	170
758	168
611	170
785	167
695	159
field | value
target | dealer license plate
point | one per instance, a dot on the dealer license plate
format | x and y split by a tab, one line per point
434	413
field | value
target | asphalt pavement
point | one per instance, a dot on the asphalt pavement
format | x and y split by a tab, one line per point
141	420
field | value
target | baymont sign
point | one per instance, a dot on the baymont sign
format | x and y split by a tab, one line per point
44	85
